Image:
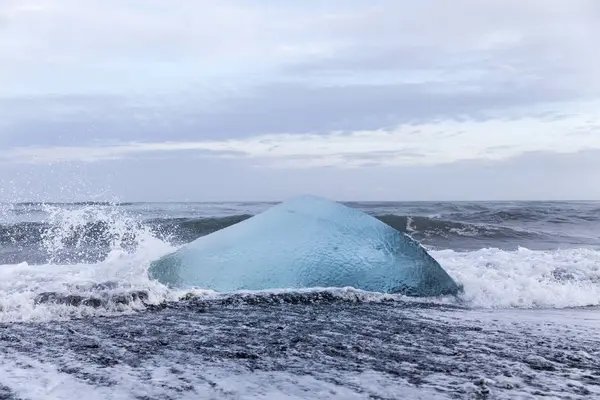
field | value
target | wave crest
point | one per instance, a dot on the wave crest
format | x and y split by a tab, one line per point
524	278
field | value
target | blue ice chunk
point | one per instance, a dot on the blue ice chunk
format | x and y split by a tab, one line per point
306	242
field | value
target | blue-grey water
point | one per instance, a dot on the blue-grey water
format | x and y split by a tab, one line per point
79	316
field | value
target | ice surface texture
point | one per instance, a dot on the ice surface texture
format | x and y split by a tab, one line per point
302	243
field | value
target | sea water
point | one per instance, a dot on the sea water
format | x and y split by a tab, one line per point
80	317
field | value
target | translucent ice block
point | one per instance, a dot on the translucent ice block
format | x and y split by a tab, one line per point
306	242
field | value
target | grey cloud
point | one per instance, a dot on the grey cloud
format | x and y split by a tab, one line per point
504	39
532	176
467	60
540	65
283	108
488	46
494	56
379	154
297	108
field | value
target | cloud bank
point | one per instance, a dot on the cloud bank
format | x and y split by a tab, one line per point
418	144
319	88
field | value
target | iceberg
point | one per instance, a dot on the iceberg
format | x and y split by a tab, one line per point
306	242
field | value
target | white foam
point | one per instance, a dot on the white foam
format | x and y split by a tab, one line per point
492	278
20	284
35	379
525	278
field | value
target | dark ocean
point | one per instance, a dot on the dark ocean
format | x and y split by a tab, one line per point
79	316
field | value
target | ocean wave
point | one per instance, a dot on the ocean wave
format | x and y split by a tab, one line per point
521	213
494	278
99	233
94	260
435	226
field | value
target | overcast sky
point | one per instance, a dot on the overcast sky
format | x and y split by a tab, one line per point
261	100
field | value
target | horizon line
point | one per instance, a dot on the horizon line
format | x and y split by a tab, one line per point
125	202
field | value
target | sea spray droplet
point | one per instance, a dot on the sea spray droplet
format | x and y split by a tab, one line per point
88	232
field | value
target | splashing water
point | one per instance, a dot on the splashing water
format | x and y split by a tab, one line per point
494	278
81	232
122	249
